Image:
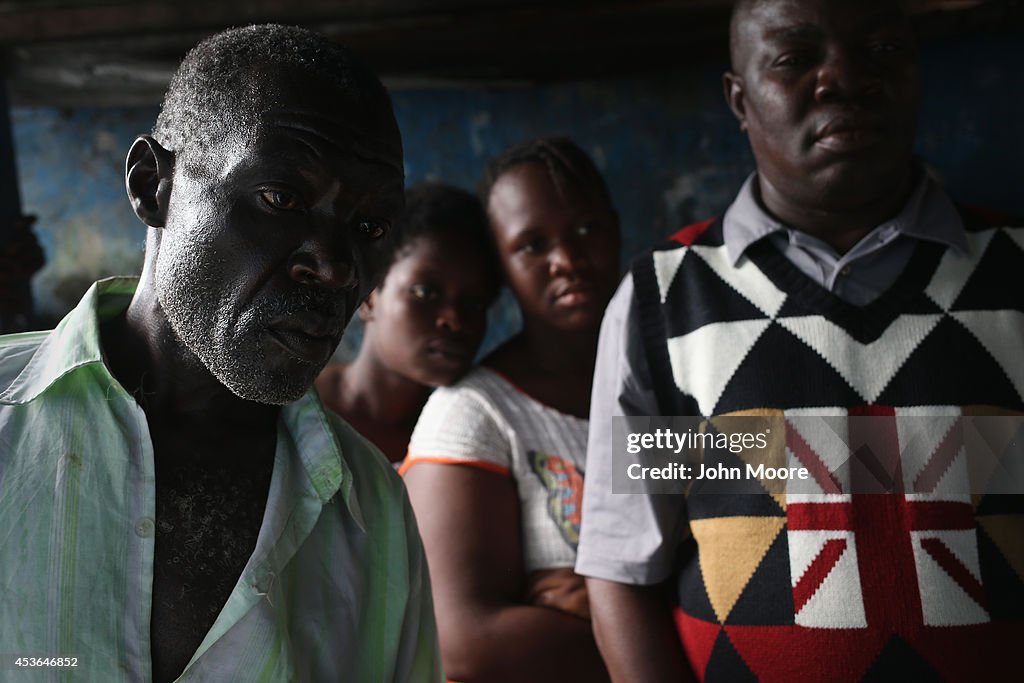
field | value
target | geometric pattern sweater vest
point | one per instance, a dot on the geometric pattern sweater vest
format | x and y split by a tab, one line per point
844	587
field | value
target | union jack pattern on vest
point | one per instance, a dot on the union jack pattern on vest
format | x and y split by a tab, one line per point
844	585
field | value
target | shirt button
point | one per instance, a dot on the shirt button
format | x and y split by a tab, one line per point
144	528
846	271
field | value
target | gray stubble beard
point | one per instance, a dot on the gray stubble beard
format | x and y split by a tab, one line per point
226	337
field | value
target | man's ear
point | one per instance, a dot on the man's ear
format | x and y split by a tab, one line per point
733	86
366	308
148	172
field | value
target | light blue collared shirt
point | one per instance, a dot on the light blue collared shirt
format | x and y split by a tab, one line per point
335	590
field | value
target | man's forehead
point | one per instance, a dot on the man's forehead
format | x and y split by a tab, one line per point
763	22
289	144
339	111
771	18
323	134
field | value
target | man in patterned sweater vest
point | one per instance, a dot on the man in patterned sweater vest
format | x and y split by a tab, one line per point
841	281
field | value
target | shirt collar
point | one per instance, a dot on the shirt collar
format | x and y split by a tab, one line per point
321	446
929	215
75	343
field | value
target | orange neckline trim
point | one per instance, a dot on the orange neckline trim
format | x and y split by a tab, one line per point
443	460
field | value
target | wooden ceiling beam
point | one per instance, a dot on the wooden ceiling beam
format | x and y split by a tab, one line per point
25	21
113	52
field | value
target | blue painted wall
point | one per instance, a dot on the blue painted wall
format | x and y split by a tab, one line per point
668	145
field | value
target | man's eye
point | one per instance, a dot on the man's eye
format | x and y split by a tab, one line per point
280	199
584	230
794	60
423	292
373	228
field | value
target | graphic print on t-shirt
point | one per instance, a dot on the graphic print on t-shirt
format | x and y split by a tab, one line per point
564	484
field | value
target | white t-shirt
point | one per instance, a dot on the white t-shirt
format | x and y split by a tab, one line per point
484	421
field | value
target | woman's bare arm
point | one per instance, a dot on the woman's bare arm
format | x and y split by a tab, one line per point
469	521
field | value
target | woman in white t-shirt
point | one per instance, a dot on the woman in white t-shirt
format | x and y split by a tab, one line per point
496	462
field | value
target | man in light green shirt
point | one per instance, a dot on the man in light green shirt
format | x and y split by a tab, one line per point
175	503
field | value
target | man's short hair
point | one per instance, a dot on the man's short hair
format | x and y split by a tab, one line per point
217	90
740	8
568	166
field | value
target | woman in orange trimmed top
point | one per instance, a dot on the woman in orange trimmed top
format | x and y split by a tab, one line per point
495	466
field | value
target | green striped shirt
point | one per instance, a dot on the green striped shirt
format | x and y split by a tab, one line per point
335	590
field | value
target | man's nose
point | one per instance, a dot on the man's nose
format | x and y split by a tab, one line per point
845	72
324	260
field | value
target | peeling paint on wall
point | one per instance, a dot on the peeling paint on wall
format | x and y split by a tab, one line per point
71	174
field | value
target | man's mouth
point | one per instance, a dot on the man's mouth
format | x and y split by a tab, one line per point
308	337
305	347
848	134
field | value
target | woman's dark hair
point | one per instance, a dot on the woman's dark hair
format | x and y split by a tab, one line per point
436	210
570	168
